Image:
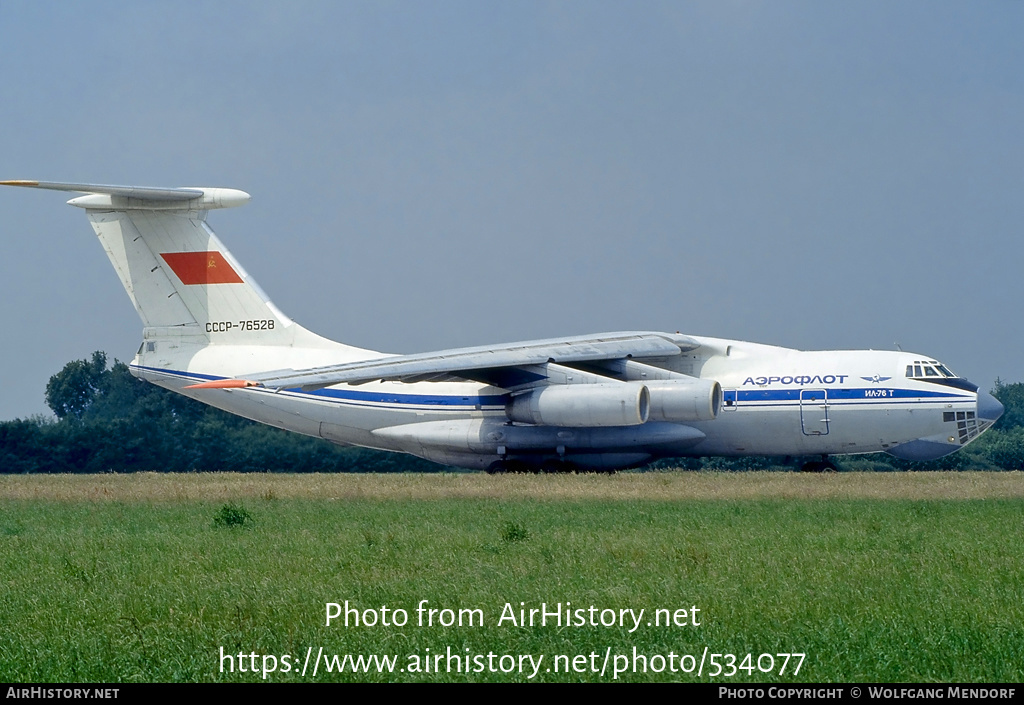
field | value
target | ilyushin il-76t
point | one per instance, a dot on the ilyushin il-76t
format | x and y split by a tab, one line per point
593	402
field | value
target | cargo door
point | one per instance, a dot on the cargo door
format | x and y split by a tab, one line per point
814	412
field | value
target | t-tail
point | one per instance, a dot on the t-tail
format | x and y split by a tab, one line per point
204	317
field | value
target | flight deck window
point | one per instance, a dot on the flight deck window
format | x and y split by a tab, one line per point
929	369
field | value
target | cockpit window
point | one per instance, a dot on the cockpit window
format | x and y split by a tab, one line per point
922	369
937	373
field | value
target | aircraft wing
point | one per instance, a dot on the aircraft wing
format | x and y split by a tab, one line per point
464	362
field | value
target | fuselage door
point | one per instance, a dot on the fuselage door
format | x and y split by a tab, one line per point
730	399
814	412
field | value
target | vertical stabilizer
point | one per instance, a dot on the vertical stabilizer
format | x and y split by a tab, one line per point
183	282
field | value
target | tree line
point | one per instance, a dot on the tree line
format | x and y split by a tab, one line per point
109	421
106	420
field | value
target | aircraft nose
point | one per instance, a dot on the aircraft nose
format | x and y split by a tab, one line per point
989	407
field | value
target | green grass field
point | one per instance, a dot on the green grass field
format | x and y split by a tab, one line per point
875	577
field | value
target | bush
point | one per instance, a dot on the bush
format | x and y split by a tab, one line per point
232	515
513	532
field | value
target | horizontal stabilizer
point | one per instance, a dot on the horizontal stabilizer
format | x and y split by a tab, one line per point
142	197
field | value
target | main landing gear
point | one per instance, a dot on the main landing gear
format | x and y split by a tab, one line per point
823	465
549	467
500	467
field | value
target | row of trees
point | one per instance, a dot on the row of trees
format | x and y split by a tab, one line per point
107	420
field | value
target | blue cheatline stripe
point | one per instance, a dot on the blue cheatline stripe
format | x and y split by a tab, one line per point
759	397
359	396
860	394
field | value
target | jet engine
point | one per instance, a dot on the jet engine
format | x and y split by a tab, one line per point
582	405
685	399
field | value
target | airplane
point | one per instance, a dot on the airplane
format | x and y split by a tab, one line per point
582	403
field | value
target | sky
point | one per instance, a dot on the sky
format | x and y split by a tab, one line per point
429	175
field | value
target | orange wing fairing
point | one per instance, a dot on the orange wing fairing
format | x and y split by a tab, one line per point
201	268
224	384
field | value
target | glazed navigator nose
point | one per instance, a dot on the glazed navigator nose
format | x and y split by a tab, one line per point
989	407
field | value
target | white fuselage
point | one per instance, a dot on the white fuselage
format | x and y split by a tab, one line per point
776	401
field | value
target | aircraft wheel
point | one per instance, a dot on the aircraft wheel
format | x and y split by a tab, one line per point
819	466
502	467
552	467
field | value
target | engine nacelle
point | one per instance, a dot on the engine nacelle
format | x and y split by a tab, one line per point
582	405
685	399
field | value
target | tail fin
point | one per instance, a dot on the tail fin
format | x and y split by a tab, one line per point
184	283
